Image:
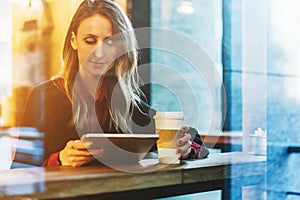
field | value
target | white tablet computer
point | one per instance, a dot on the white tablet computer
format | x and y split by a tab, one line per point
120	148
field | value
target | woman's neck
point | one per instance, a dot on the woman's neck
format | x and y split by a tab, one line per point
90	82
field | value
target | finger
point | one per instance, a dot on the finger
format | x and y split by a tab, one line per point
79	161
182	141
80	158
184	149
79	152
185	154
185	128
85	153
70	144
97	153
74	159
78	144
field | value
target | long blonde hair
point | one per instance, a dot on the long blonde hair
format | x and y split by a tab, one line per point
123	70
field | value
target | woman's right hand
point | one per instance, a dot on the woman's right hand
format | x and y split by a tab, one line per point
76	154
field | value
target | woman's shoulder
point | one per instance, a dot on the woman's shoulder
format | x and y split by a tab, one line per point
48	91
51	85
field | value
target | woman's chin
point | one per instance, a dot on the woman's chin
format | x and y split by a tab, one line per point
97	73
95	69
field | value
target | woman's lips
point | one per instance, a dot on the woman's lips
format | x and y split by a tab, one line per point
97	63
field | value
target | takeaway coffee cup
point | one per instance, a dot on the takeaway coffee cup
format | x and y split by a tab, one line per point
167	127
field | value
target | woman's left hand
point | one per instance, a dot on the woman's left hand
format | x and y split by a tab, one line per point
184	143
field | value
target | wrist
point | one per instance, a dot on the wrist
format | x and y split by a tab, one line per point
195	151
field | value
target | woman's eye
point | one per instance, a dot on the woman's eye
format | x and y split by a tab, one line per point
109	42
90	41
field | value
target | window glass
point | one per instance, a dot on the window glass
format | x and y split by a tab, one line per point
177	82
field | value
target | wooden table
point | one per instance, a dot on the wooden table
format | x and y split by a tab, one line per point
146	180
225	141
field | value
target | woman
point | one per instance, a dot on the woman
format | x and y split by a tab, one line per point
98	90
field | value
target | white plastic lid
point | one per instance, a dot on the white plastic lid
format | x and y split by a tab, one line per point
169	115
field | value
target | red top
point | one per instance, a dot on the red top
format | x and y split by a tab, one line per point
52	161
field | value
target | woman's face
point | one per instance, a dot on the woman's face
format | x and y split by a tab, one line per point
95	46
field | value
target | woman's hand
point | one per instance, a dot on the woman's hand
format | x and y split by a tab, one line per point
184	143
76	154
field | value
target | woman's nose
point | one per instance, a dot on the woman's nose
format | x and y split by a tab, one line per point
99	51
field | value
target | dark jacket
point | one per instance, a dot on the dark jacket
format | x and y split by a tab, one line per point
49	110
